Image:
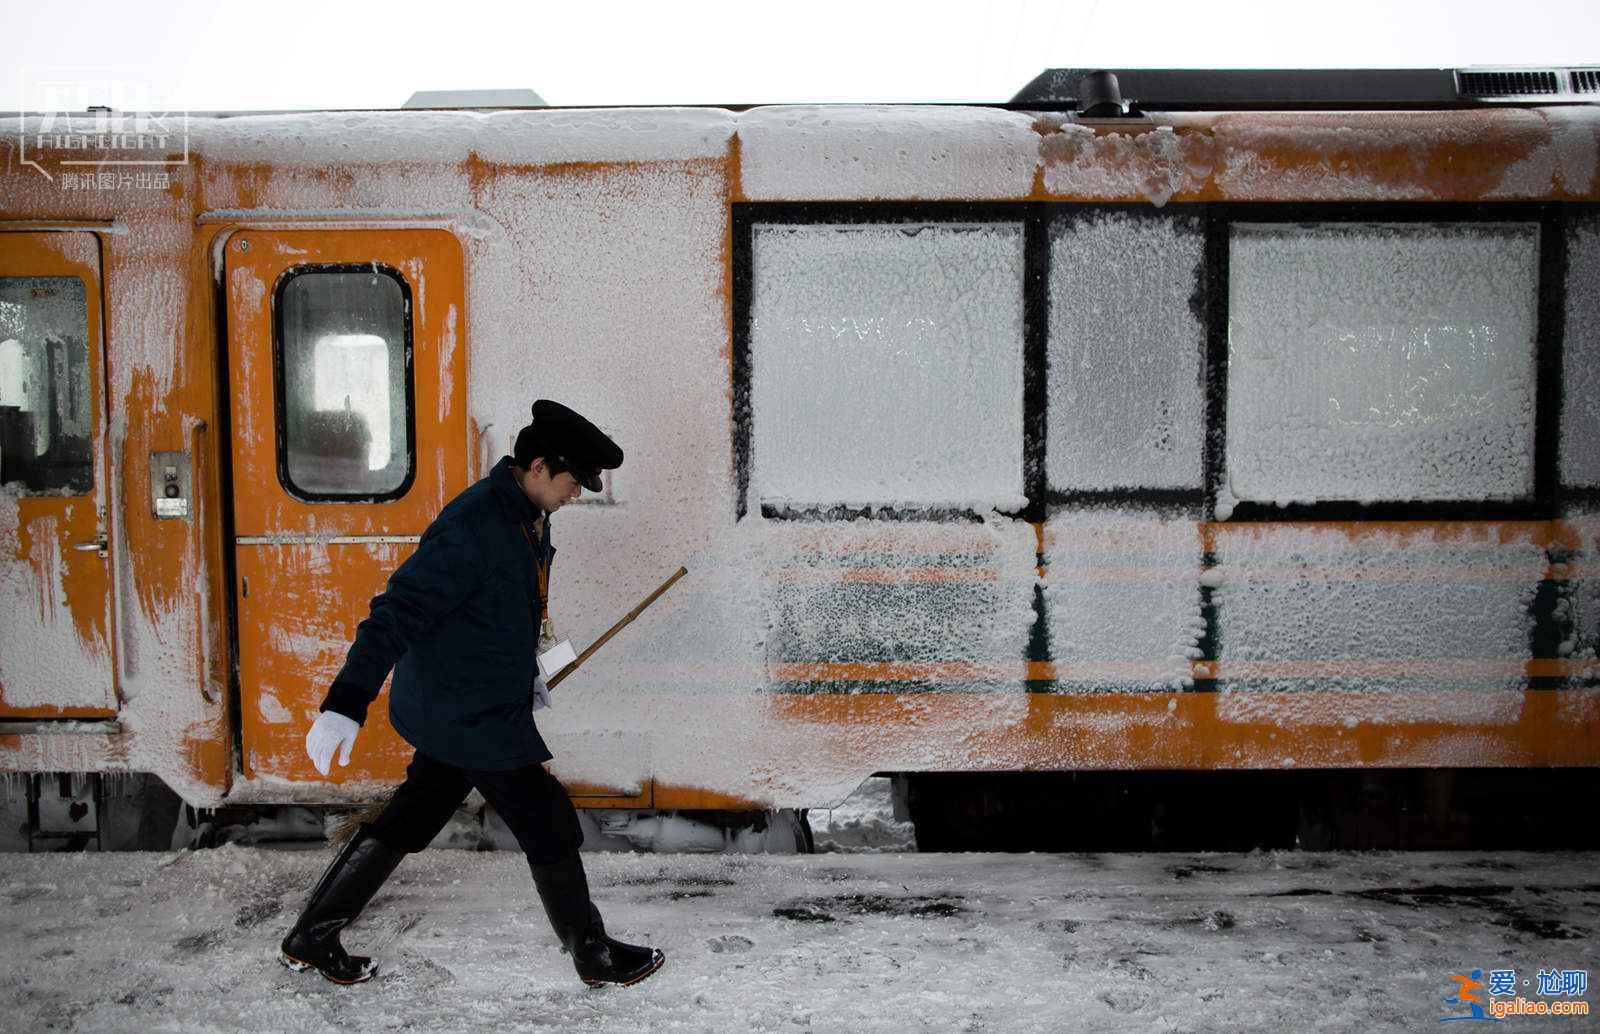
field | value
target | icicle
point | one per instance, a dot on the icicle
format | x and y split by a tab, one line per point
120	784
16	784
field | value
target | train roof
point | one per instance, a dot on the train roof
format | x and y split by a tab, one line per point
1140	90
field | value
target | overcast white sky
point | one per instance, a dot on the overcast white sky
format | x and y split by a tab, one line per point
202	55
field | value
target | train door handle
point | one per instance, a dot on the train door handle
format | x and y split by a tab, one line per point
99	545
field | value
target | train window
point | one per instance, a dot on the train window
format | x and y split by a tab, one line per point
46	399
1580	380
344	357
887	365
1126	342
1375	362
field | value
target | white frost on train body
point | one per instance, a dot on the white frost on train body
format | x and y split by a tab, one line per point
1123	599
596	249
1435	627
856	153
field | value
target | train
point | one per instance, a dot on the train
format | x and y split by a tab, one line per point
1197	423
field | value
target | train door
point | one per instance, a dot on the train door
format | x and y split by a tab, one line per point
348	436
56	655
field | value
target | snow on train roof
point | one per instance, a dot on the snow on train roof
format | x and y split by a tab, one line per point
820	152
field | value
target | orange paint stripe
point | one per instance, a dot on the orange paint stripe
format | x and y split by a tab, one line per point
1488	534
1060	575
1429	576
887	575
1119	730
1378	668
892	671
1043	671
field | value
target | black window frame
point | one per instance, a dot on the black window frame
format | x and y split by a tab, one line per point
747	215
1544	501
1194	503
280	396
1211	298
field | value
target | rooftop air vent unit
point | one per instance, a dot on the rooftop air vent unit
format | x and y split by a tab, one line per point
1084	90
1489	83
475	99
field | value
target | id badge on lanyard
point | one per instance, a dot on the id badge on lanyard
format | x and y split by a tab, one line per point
553	653
547	629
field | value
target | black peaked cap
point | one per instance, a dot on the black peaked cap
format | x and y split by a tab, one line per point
568	438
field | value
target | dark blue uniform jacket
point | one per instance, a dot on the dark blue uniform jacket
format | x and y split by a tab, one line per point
459	624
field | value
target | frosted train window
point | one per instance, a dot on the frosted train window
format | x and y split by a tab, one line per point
1126	342
1375	362
345	377
46	399
1580	357
886	365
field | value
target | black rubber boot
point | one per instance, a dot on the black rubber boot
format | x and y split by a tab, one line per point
339	896
598	958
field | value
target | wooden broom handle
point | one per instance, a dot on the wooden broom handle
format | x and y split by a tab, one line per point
614	629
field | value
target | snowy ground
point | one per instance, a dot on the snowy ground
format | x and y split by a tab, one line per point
827	942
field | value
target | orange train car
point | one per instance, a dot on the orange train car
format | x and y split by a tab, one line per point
1149	422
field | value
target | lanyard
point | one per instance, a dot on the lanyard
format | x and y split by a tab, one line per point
541	569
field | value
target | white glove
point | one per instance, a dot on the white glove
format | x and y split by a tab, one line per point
330	731
541	693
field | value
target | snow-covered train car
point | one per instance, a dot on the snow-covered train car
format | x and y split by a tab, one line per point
1249	423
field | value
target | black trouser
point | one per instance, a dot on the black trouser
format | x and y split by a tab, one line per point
530	800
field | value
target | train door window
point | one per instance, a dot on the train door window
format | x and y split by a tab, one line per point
887	365
1376	362
1126	344
46	422
345	375
1580	357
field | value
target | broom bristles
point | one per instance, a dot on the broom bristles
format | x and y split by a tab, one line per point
340	827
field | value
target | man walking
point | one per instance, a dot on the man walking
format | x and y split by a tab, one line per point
459	625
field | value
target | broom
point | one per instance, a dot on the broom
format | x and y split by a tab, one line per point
340	827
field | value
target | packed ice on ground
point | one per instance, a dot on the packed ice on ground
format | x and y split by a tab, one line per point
837	942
